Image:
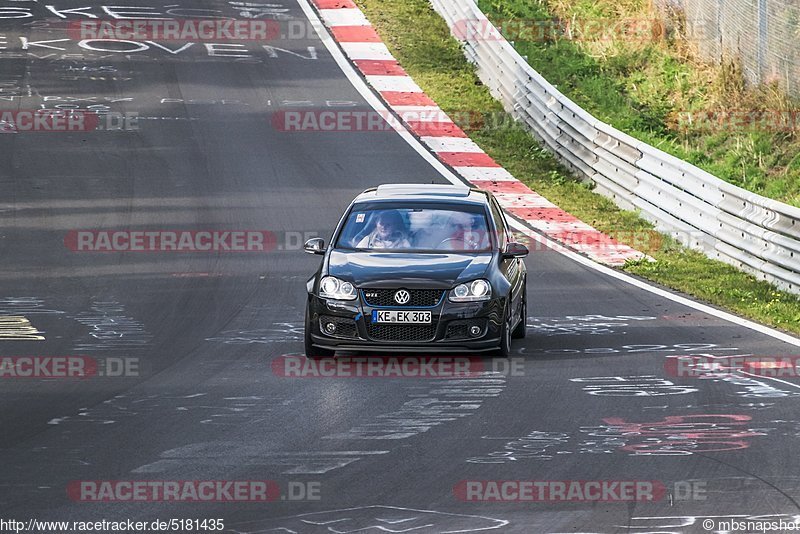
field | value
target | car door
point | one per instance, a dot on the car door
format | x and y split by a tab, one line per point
512	268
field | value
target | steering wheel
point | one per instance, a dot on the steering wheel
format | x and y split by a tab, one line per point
447	240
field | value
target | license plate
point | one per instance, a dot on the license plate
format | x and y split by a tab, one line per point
401	316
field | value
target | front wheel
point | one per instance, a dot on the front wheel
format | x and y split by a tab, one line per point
504	350
313	352
519	331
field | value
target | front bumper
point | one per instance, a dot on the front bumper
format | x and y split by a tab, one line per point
448	331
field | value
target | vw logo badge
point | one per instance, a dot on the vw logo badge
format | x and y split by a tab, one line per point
402	297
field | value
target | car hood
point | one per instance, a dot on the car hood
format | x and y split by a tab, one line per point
407	269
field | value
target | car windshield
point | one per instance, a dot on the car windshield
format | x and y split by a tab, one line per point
455	228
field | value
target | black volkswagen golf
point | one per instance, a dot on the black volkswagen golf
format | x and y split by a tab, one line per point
419	268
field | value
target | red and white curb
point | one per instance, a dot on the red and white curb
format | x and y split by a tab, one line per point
362	45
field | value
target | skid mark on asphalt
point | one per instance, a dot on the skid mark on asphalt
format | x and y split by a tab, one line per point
677	524
373	519
744	405
584	324
218	454
687	348
676	435
111	329
442	402
277	333
24	306
202	410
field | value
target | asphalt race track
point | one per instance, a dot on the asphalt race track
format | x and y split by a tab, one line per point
589	397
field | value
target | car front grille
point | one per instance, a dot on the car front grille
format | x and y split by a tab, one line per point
344	327
401	332
420	298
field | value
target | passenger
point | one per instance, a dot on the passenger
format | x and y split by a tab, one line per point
390	232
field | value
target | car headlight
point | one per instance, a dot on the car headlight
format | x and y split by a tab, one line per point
471	291
331	287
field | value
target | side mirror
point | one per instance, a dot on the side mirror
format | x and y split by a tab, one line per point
315	246
515	250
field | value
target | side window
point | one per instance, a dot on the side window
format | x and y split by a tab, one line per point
500	221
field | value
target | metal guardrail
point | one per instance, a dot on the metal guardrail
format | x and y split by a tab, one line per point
728	223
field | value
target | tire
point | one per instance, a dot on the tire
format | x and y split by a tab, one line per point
504	350
519	331
313	352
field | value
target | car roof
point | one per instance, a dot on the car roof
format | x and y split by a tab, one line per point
424	192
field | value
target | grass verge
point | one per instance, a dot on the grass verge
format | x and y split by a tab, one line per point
420	40
628	69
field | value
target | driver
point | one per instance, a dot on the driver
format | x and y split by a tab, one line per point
465	233
389	232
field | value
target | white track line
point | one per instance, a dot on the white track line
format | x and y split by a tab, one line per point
360	85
